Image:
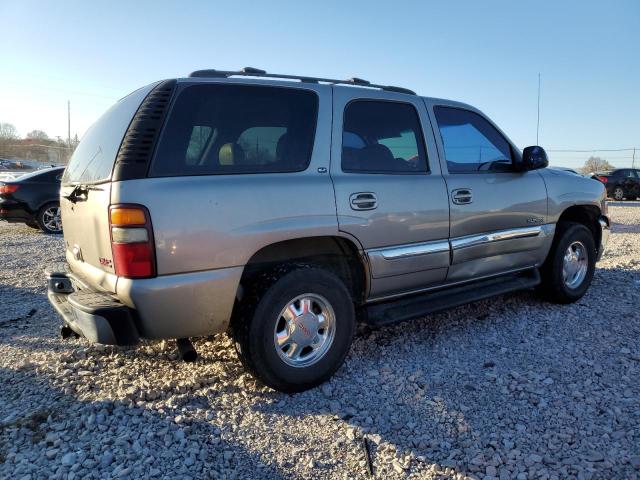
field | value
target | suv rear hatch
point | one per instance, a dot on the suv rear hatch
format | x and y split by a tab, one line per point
85	195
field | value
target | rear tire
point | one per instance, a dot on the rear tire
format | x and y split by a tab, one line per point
570	265
294	328
618	194
49	219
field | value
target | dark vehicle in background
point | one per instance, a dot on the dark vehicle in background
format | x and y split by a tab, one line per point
621	183
33	199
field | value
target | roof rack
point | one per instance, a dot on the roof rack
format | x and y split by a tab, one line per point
256	72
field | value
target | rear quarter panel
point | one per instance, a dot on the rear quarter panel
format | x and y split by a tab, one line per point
210	222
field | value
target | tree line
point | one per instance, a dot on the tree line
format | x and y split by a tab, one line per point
35	146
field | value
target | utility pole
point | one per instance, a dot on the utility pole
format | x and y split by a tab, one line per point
633	159
69	122
538	125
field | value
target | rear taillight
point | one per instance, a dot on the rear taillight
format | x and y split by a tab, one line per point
132	241
603	179
8	188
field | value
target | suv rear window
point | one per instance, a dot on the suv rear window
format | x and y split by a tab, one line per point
94	157
224	129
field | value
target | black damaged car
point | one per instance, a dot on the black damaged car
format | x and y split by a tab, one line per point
33	199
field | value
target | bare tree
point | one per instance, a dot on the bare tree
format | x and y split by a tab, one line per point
8	131
596	164
37	135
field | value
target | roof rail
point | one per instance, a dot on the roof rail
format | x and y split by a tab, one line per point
256	72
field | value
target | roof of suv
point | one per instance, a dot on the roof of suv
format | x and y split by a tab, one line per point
256	72
251	73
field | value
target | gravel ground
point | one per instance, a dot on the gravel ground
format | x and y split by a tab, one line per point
507	388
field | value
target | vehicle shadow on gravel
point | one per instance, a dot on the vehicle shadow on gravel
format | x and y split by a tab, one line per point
58	433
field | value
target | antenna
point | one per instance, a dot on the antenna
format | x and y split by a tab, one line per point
538	125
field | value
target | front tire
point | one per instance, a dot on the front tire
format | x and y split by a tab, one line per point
294	328
570	265
49	219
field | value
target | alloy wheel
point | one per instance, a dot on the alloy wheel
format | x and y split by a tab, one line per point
52	220
304	330
618	194
575	265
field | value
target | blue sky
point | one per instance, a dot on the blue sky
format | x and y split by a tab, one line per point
487	53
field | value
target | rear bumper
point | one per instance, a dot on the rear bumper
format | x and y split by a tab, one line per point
182	305
12	211
604	237
97	316
170	306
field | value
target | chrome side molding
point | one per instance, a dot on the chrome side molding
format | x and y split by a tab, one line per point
510	234
439	246
404	251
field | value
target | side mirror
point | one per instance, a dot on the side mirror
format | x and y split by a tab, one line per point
533	158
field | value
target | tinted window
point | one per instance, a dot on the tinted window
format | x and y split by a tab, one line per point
471	143
94	157
382	137
219	129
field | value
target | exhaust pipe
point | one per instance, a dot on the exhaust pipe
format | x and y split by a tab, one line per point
187	351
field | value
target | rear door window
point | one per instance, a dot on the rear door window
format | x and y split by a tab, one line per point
471	143
225	129
382	137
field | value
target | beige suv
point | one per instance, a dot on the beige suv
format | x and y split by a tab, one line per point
283	208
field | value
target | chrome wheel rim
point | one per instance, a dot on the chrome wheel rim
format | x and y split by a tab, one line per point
304	330
618	194
51	219
575	265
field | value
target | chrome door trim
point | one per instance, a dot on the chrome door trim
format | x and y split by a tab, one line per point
510	234
412	250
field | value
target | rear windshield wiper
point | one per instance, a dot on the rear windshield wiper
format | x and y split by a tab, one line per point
80	193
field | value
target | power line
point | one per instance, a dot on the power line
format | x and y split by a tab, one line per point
593	150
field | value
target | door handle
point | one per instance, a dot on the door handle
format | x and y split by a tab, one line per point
462	196
363	201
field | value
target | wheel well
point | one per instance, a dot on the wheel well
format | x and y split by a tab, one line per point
337	254
587	215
